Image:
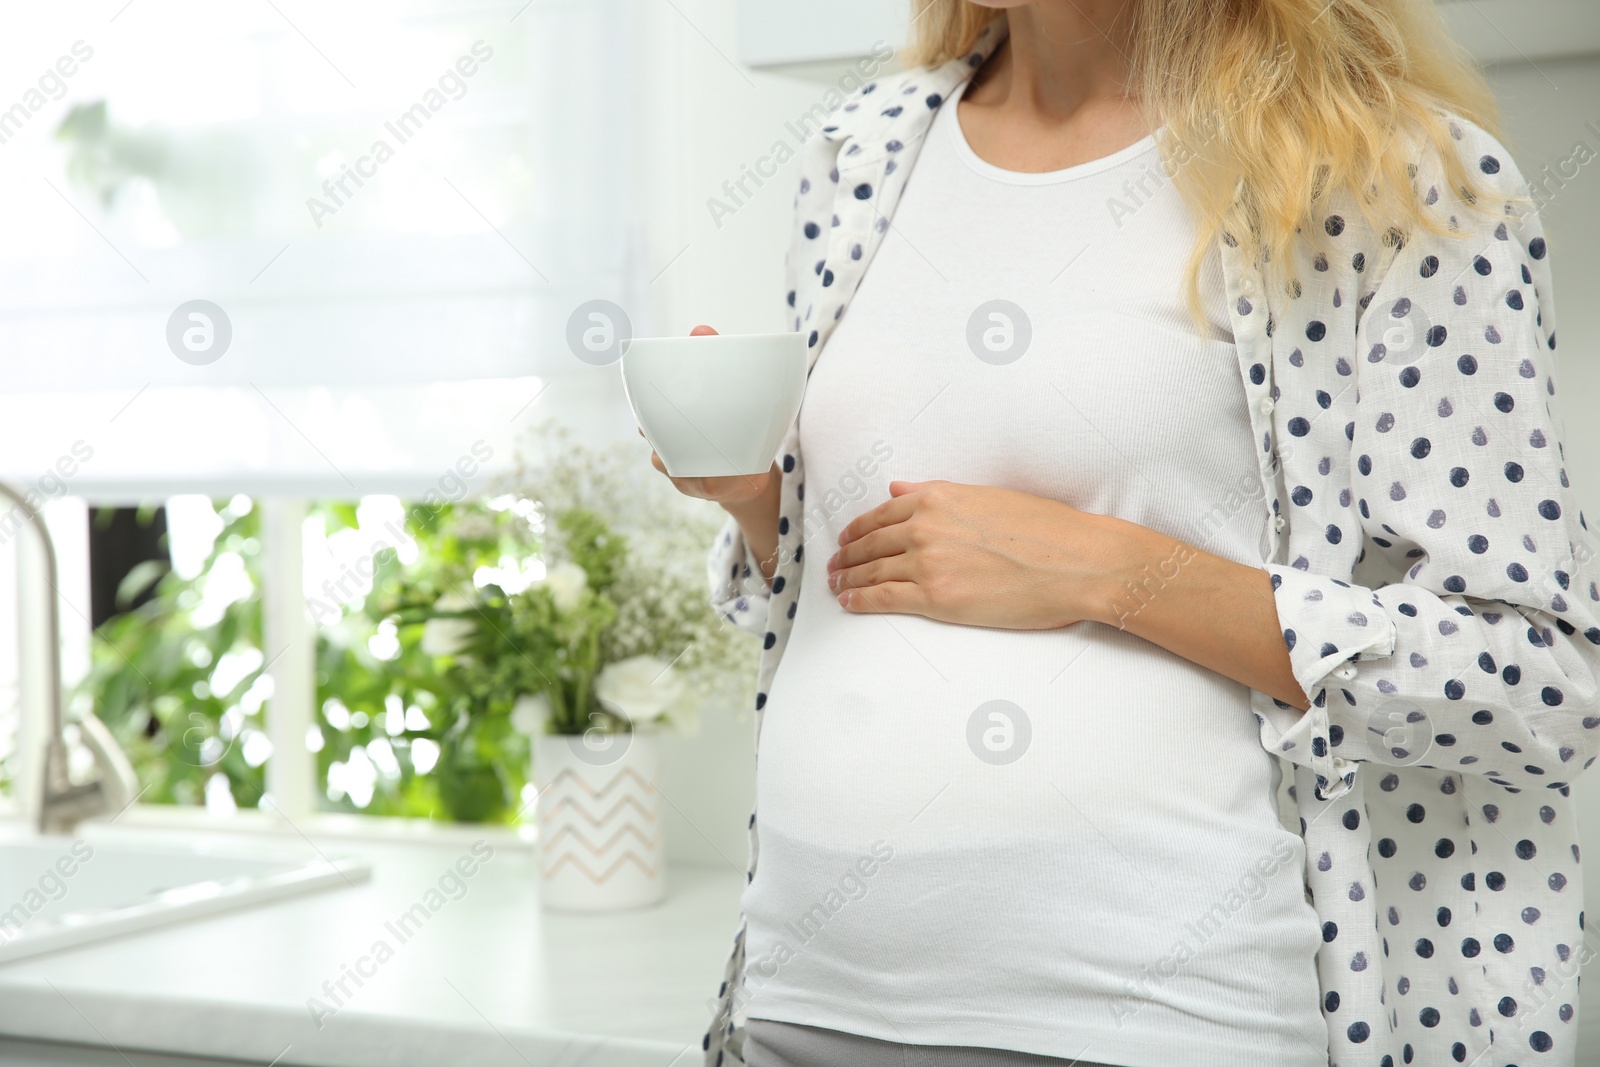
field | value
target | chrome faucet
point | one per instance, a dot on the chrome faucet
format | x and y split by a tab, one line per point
113	786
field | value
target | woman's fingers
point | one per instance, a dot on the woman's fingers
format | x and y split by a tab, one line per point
736	487
882	543
874	572
889	513
890	598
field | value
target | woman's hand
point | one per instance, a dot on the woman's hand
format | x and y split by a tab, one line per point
734	489
752	499
982	556
977	555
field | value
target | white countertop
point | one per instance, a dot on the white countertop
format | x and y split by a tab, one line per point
490	979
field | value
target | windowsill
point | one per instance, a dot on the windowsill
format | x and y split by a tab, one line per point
334	825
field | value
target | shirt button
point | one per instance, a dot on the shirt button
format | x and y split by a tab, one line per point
1346	673
1279	522
1266	405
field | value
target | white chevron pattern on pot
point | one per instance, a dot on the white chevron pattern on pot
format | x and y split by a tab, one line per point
579	840
599	877
558	809
601	840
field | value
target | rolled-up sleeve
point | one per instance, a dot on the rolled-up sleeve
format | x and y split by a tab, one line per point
739	593
1485	658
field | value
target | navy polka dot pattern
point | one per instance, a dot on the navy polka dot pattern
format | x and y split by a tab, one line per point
1431	571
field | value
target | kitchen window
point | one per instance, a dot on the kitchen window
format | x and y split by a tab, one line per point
336	280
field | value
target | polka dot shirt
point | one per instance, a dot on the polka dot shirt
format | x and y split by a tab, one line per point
1432	574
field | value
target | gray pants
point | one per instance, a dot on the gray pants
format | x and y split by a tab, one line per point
769	1043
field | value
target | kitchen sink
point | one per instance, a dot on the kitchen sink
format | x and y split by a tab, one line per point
57	892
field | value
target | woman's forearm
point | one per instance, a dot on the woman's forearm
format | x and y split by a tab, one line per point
984	556
1208	609
758	519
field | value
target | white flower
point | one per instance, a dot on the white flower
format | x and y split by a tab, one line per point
447	637
640	688
529	713
566	582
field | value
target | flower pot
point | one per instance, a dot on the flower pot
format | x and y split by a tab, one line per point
601	840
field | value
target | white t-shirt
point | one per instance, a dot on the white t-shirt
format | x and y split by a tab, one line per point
959	839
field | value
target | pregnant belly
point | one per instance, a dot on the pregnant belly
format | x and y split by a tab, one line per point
1065	814
900	724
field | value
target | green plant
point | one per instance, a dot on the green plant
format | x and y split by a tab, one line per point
571	600
177	678
154	670
392	703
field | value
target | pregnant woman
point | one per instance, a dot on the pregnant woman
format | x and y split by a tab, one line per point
1181	424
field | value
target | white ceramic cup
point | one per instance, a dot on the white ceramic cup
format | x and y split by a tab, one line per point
716	405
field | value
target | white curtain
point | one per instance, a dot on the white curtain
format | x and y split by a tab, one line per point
396	206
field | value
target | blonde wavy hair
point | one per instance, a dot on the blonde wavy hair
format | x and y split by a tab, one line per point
1273	108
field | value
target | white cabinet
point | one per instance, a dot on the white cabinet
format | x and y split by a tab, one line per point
778	34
